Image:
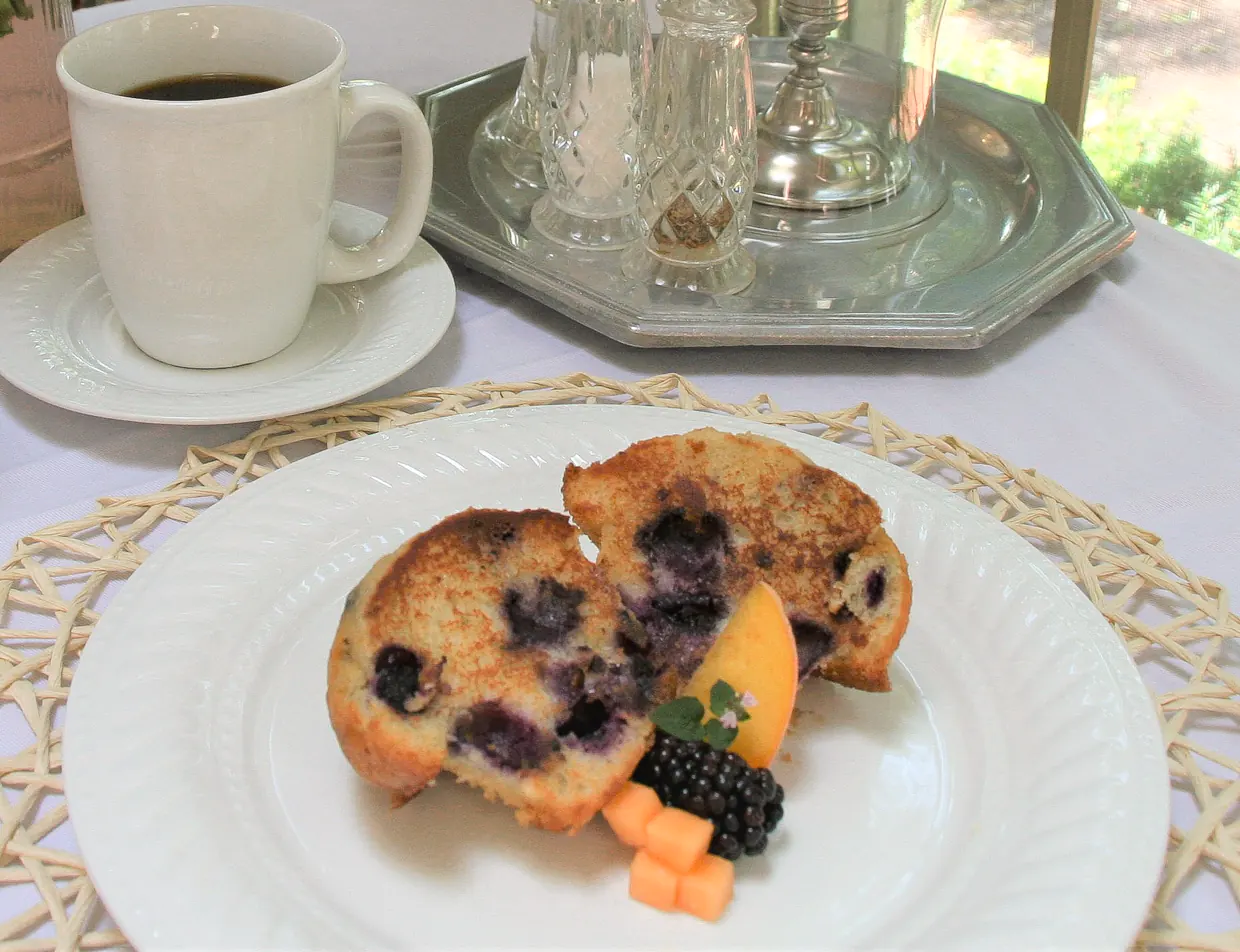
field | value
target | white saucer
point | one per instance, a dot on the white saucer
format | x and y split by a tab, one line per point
62	341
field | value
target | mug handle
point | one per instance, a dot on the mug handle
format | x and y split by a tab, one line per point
387	249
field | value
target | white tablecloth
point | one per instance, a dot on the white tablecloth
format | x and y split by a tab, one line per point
1123	389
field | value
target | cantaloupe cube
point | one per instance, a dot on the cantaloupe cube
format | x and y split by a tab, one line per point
706	890
678	838
630	810
651	882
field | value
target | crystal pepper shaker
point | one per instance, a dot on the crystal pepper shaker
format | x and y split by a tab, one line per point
597	71
513	127
699	151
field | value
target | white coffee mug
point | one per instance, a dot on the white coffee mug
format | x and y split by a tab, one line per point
210	217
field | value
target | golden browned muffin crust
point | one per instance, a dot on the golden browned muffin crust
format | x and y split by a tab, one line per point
868	615
686	524
488	646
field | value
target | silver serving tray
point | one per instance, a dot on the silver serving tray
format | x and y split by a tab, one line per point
1023	216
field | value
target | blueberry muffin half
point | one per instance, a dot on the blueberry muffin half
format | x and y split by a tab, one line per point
489	646
686	524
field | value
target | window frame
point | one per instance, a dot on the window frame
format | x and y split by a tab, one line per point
1074	30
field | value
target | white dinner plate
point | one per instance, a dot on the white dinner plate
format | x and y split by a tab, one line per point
62	341
1009	793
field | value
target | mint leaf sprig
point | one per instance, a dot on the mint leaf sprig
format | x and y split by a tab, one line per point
682	718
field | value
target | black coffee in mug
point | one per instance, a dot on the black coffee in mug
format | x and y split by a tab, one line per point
205	86
210	217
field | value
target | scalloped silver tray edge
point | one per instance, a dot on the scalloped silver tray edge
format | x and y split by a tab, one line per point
1067	224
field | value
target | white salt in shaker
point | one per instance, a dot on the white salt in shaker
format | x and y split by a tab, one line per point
597	73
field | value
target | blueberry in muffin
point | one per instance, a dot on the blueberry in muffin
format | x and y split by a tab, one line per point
686	524
490	647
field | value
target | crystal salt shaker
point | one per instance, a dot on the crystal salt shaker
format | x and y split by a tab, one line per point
699	151
513	126
597	72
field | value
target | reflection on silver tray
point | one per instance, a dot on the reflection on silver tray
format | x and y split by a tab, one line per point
1019	215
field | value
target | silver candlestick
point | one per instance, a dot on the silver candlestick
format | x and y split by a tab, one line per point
810	156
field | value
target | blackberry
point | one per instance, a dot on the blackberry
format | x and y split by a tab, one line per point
743	804
767	781
727	846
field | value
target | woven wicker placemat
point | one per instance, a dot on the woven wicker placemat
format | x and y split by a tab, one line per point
1177	625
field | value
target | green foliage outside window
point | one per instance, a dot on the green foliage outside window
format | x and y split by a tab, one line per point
1152	161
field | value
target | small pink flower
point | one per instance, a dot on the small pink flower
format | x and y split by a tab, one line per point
748	700
728	719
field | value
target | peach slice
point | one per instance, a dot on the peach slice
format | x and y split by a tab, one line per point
755	652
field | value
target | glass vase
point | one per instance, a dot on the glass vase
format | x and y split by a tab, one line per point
865	166
512	128
597	72
38	184
698	151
